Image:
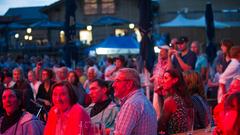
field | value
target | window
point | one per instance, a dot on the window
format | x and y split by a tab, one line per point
108	7
119	32
90	7
85	36
62	37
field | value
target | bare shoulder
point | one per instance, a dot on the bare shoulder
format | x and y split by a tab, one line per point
170	104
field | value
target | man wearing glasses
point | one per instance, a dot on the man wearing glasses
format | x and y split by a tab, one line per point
136	116
183	60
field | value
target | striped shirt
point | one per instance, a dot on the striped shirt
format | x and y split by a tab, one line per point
136	116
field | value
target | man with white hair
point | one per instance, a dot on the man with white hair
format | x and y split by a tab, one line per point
62	73
136	116
92	73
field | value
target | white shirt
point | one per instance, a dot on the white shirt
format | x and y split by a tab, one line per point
107	72
232	70
35	88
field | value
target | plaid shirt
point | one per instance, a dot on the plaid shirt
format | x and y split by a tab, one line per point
136	116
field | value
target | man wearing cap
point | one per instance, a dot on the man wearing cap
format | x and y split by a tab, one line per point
183	60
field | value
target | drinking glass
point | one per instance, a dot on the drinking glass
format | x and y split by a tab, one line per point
98	128
85	127
208	119
190	120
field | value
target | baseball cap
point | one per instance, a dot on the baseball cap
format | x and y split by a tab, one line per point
181	40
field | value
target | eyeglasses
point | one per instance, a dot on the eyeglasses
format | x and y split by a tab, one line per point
117	80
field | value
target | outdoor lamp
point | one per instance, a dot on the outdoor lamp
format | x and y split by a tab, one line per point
131	26
26	37
29	30
30	38
61	32
89	27
16	35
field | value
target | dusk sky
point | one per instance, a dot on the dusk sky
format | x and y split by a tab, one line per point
6	4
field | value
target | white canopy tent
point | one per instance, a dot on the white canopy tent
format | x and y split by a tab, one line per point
181	21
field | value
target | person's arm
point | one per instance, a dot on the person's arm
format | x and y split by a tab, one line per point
183	65
169	107
212	84
204	69
170	64
223	88
32	127
231	70
110	71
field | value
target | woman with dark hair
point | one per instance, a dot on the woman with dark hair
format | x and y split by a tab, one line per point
174	113
72	78
43	95
226	46
16	121
66	117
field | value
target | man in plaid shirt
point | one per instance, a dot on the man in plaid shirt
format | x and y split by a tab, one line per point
136	116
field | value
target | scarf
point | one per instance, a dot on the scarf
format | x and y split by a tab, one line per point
9	121
98	107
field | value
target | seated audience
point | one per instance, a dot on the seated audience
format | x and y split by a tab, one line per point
103	109
174	113
196	89
24	87
66	117
219	109
34	83
16	121
231	116
137	115
72	78
44	90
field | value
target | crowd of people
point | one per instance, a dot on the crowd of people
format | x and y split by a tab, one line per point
43	96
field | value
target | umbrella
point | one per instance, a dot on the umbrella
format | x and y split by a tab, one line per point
47	25
210	29
117	45
210	32
70	31
109	20
147	54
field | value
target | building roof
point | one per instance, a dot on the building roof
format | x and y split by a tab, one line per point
27	13
53	5
7	19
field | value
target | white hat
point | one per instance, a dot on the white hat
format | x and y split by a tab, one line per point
164	47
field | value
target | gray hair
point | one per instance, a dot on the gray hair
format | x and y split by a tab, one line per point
131	74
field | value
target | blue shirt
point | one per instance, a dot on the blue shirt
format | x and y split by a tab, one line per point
190	59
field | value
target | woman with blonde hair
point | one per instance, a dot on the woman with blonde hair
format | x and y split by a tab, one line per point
196	89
